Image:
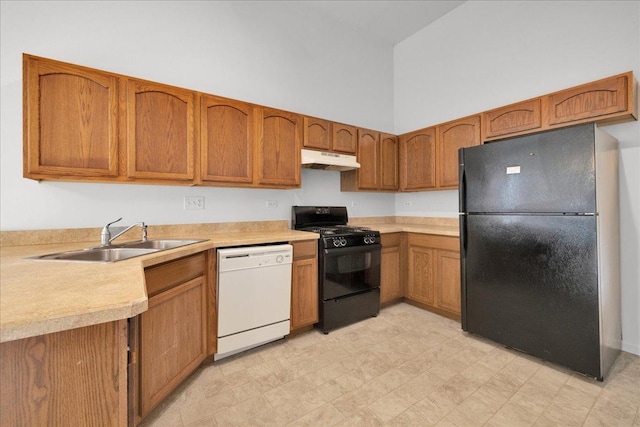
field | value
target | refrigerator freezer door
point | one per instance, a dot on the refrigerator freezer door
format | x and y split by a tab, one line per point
539	173
530	283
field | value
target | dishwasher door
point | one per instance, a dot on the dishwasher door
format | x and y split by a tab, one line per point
254	296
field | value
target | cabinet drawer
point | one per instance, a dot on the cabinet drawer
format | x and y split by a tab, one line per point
164	276
434	241
305	249
390	239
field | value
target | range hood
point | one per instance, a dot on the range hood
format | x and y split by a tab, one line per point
328	161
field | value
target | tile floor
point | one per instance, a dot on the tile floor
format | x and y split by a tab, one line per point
406	367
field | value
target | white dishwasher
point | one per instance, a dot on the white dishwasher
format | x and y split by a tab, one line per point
254	296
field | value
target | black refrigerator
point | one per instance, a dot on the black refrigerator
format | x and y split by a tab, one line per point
539	241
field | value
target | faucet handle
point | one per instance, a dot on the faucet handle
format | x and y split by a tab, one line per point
113	222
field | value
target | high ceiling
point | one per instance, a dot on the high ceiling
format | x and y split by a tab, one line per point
389	21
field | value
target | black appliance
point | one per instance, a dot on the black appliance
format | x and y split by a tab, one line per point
348	265
539	246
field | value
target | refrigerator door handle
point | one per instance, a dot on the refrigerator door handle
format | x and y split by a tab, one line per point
462	188
463	271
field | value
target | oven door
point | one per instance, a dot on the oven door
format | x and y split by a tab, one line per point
347	271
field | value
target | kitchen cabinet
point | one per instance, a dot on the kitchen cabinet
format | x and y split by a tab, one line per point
368	176
451	137
76	377
388	162
329	136
391	268
304	284
226	141
70	121
433	273
169	339
378	157
417	162
279	136
160	131
344	138
512	119
317	134
608	100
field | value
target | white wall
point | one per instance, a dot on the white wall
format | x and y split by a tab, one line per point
251	51
487	54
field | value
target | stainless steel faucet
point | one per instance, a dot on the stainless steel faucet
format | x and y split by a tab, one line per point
105	236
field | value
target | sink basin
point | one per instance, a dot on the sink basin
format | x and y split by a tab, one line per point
97	254
159	244
118	252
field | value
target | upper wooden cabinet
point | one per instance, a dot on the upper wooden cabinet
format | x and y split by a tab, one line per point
367	155
70	121
606	98
417	162
279	136
324	135
226	140
160	131
378	157
512	119
451	137
82	124
317	133
344	138
388	162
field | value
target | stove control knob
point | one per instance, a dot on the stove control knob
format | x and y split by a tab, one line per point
336	242
343	242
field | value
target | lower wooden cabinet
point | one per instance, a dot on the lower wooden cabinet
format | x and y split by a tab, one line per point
169	340
433	273
304	284
391	268
76	377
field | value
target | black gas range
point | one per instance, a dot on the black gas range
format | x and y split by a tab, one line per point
348	265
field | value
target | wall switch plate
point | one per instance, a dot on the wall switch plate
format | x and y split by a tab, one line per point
193	202
272	203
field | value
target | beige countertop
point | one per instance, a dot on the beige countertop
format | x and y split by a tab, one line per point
39	297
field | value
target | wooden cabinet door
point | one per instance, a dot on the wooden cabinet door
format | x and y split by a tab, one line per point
368	174
448	281
452	136
420	274
173	340
226	140
317	133
600	98
76	377
388	162
390	268
344	138
417	163
304	293
160	132
280	138
512	119
70	120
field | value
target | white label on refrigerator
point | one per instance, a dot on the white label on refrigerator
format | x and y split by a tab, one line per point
513	169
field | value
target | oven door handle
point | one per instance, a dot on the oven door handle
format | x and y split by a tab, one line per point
352	250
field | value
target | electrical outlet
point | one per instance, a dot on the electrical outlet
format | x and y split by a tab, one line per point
272	203
354	204
408	203
193	202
